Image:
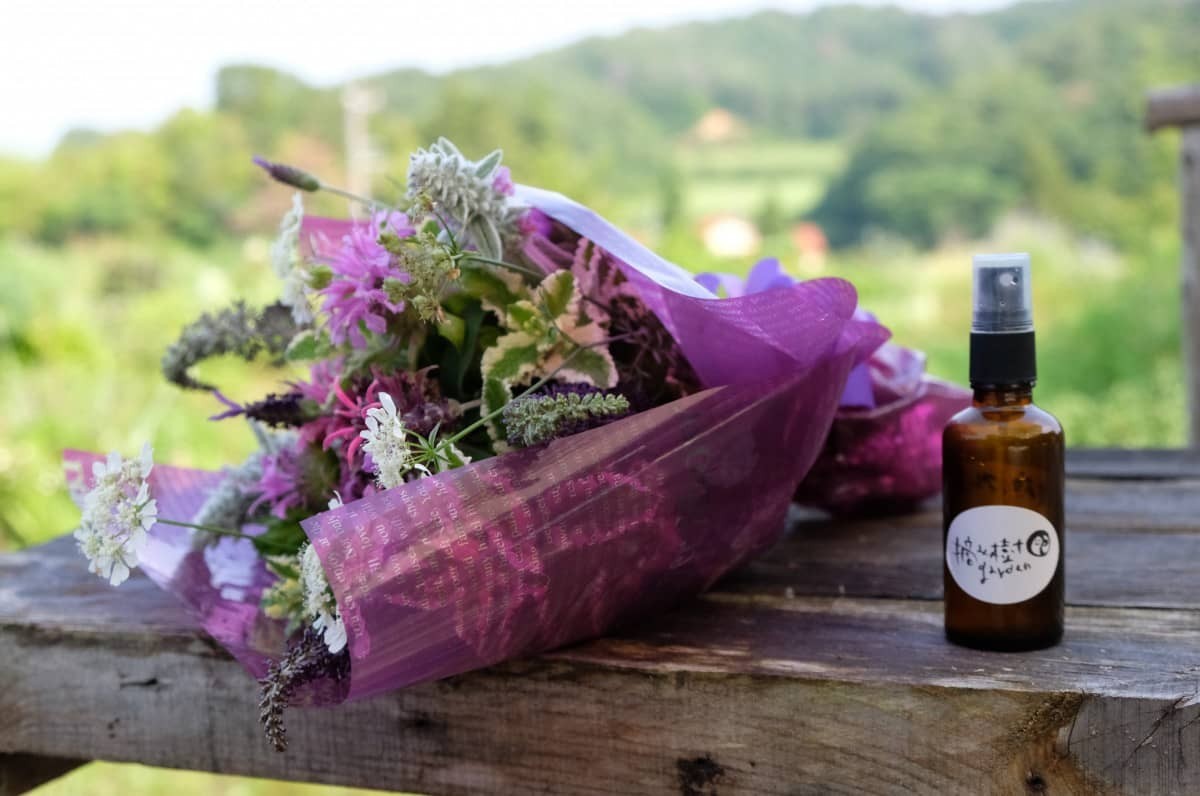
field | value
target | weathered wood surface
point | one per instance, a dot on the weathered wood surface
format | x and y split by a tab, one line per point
819	668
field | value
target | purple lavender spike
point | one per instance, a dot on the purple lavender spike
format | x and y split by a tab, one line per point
289	175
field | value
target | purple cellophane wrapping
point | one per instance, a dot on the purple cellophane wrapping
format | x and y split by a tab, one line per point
541	547
886	455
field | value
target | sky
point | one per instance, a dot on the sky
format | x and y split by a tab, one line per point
131	63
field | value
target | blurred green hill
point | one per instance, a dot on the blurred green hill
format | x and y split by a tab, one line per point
949	122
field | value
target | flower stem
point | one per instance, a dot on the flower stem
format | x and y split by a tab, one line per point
354	197
481	422
207	529
520	269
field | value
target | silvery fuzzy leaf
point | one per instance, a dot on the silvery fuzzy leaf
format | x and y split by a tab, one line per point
486	237
489	164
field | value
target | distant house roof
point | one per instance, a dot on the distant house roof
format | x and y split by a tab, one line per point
727	235
717	126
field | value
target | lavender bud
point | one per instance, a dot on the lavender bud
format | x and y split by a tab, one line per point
289	175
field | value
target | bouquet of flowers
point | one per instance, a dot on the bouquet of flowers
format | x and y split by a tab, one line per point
519	428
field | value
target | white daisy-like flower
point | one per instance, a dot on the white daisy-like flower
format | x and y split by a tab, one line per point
387	441
289	266
320	607
117	514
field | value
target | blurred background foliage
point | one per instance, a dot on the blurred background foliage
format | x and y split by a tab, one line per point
877	144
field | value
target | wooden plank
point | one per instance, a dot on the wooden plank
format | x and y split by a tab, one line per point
744	690
1122	464
738	694
1169	506
21	773
901	557
703	634
1177	106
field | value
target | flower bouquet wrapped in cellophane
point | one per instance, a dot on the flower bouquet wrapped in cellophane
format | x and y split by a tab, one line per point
519	428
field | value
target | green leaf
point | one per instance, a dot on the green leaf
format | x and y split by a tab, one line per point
489	164
454	329
306	345
495	395
514	355
556	292
495	288
521	317
472	319
282	567
593	365
282	538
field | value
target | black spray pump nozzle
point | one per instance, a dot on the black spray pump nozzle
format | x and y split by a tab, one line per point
1002	342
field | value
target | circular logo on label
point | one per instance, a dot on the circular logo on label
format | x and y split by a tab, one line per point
1002	554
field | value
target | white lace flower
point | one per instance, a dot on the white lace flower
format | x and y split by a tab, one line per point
117	514
289	265
387	442
320	607
333	631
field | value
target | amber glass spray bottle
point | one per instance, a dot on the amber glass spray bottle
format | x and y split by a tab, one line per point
1002	462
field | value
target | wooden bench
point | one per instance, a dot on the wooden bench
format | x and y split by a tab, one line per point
819	668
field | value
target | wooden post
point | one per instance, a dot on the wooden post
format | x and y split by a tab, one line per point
1180	107
359	101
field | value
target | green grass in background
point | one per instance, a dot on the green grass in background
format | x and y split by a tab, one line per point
742	177
86	327
113	779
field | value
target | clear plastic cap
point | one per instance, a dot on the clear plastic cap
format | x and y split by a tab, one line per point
1003	298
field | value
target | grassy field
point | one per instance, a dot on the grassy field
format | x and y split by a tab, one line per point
742	177
82	329
111	779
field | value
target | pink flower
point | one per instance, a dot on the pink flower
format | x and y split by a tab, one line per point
356	299
535	222
282	482
502	182
323	377
414	395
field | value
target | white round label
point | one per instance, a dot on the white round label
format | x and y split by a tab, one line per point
1002	554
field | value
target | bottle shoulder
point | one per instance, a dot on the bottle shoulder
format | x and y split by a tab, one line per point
1028	420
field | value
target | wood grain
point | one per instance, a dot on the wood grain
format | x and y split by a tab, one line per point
1108	562
819	668
1122	464
835	695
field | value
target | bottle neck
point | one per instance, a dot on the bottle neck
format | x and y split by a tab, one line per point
1001	395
